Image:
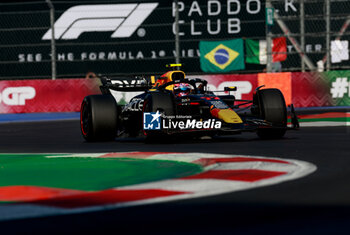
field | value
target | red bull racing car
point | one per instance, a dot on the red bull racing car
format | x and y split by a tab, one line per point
175	105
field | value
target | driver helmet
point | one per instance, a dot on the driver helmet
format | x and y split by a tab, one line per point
182	89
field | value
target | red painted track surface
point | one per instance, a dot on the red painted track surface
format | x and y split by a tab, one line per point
238	175
318	203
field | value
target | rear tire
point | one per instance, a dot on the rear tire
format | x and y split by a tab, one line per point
98	118
272	108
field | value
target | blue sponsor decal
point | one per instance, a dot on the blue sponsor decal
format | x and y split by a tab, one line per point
151	121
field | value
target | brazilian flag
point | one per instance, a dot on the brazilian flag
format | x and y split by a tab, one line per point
221	56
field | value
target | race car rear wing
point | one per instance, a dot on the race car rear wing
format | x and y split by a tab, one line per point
124	84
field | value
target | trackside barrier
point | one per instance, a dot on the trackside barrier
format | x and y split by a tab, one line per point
303	89
306	89
34	96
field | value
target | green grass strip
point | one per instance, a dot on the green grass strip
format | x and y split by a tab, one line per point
90	174
339	119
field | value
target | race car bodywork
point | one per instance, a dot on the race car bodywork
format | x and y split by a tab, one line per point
158	111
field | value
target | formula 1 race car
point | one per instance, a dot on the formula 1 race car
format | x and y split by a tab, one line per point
175	105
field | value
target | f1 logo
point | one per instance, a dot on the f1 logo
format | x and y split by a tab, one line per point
151	121
123	19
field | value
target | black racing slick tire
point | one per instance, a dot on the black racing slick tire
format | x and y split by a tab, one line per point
162	102
98	118
272	108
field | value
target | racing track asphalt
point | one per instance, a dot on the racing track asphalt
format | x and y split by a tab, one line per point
318	203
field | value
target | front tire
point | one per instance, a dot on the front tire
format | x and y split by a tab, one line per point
162	102
98	118
272	108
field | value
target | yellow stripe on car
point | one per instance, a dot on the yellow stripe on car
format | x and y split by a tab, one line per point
229	116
